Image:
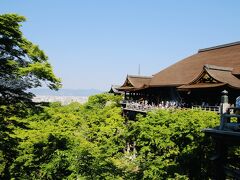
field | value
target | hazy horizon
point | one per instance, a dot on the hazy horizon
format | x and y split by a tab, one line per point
65	92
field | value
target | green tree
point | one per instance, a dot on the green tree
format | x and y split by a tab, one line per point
171	144
23	65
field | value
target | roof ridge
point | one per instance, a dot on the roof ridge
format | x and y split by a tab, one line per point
137	76
219	46
214	67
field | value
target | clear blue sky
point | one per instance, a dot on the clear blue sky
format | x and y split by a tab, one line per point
96	43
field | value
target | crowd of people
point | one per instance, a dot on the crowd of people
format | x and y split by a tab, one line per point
145	105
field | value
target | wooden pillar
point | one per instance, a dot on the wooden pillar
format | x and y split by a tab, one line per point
219	160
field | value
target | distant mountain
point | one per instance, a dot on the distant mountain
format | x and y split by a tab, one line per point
66	92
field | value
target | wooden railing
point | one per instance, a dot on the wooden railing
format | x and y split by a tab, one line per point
135	106
207	108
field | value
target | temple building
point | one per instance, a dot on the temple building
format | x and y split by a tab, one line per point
195	80
135	87
114	90
209	84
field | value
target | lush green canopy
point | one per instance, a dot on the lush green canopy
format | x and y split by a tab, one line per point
94	141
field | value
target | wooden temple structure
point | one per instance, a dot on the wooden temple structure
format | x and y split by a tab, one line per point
195	80
135	87
209	84
114	90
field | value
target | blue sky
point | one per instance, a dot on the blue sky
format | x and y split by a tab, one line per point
96	43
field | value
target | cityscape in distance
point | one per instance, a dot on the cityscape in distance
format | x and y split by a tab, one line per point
65	96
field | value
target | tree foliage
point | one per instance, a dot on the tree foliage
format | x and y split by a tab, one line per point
23	65
171	144
71	141
90	142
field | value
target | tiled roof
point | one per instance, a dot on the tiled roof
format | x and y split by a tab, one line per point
133	82
184	71
114	89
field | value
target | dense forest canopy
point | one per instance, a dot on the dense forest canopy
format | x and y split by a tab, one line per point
94	141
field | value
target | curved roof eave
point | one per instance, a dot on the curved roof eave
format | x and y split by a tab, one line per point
183	71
